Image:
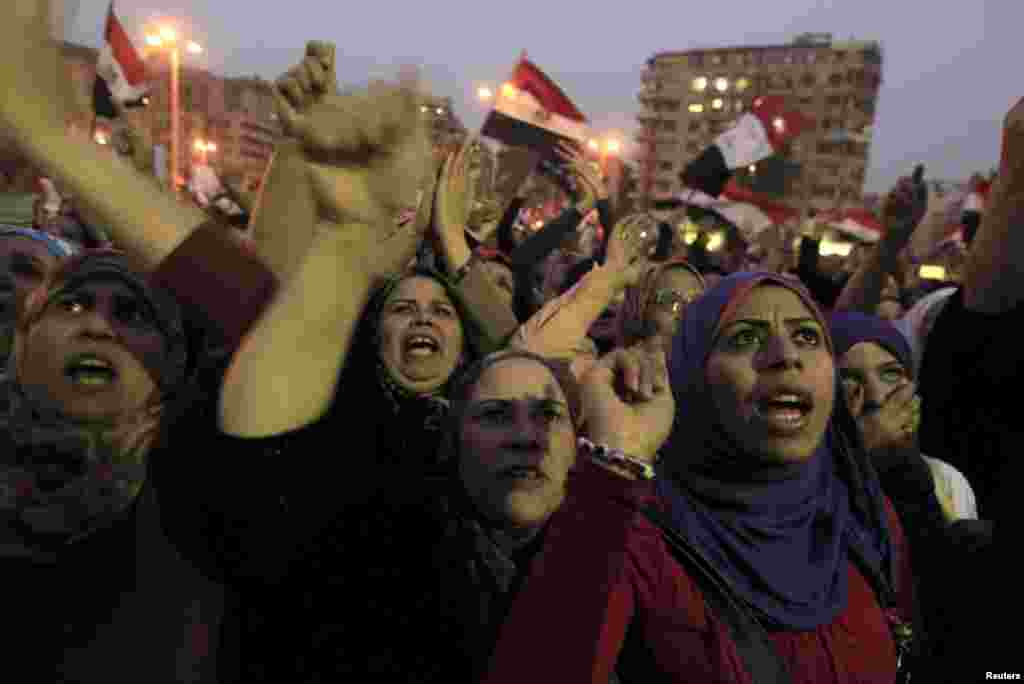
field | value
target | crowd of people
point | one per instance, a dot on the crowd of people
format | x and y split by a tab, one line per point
362	437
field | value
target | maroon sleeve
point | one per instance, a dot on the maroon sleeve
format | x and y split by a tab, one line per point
584	571
217	276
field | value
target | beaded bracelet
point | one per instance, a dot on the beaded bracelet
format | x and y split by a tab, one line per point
617	457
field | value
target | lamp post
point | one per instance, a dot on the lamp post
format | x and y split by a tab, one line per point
167	38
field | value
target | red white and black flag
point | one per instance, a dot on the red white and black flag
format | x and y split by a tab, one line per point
120	72
530	110
757	135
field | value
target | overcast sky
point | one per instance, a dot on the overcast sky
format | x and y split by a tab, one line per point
951	69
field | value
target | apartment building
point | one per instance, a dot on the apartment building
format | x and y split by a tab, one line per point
690	97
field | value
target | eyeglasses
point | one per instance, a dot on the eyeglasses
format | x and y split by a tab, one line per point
676	301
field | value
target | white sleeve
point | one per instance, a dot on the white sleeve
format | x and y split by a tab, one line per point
965	505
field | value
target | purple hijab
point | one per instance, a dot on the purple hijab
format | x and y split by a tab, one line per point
780	533
850	328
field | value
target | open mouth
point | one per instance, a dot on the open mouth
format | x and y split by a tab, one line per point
90	370
421	345
784	410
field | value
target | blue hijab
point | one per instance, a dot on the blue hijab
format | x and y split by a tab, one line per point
780	533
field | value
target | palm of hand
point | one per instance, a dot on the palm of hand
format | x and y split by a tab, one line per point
454	203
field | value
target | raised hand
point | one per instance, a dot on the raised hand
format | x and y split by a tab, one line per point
629	244
367	152
628	403
589	185
903	210
892	426
454	196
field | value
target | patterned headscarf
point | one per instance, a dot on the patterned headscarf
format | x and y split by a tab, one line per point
62	479
632	315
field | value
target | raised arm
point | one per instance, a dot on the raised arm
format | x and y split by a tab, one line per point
561	324
144	221
285	214
993	277
453	200
590	189
366	154
904	208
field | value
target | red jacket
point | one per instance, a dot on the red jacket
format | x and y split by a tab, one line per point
605	570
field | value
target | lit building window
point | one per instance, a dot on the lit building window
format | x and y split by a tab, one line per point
742	84
700	84
722	84
696	108
716	59
717	103
439	111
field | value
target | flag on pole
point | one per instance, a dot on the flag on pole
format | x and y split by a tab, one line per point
530	110
750	212
120	72
757	135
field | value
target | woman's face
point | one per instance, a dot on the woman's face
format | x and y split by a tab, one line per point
518	444
420	339
91	350
870	375
674	290
772	376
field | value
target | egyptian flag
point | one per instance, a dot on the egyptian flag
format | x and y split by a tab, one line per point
974	207
748	211
757	135
120	73
530	110
857	223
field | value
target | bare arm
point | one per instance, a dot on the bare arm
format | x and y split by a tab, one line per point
284	375
285	214
296	350
563	323
142	220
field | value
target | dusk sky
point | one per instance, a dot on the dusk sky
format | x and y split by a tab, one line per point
951	70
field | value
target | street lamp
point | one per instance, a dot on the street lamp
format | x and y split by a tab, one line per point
167	38
484	93
204	148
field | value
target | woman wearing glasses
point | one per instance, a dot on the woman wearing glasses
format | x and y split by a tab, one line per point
654	306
